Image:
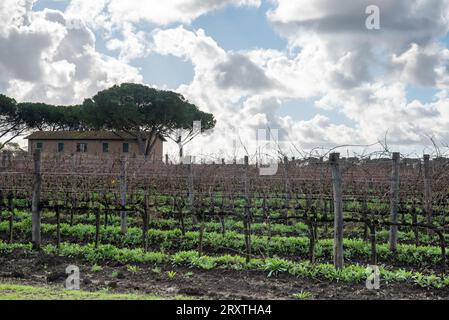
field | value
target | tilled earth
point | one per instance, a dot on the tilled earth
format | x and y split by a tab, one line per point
41	269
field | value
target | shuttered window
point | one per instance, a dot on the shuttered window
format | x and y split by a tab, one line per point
125	147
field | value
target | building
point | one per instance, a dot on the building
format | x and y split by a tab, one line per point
89	142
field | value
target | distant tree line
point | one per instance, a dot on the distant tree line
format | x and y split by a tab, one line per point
144	112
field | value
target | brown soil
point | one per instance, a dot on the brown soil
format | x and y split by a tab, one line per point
42	269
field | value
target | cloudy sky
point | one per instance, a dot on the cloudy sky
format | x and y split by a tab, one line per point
309	68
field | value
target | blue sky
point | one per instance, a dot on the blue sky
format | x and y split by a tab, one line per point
241	28
50	4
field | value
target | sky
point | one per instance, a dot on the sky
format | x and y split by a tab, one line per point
309	69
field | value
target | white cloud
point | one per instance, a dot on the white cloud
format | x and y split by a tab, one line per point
378	109
117	12
340	28
331	58
117	16
43	58
245	91
422	66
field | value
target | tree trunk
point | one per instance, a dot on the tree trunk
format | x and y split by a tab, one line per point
151	142
181	153
141	144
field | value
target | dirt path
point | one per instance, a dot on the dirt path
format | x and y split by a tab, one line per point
213	284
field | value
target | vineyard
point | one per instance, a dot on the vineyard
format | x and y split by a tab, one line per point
225	230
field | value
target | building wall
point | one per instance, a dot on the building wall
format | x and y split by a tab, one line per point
94	147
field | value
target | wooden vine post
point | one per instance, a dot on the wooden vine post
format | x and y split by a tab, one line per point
145	223
287	194
192	192
312	235
373	239
123	189
415	222
97	227
180	209
266	213
338	210
201	231
394	201
320	205
246	218
222	217
35	204
1	204
11	217
286	181
428	189
58	227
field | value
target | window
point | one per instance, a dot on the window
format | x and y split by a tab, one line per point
105	147
39	145
81	147
125	147
61	147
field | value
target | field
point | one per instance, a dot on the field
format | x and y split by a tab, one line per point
10	291
224	231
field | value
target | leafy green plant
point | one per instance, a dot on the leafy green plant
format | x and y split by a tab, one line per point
183	257
285	245
156	270
171	275
430	281
276	266
303	295
132	268
96	268
203	262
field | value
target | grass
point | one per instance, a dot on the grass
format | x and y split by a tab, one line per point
303	295
10	291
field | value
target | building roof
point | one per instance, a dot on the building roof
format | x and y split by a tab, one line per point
80	135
